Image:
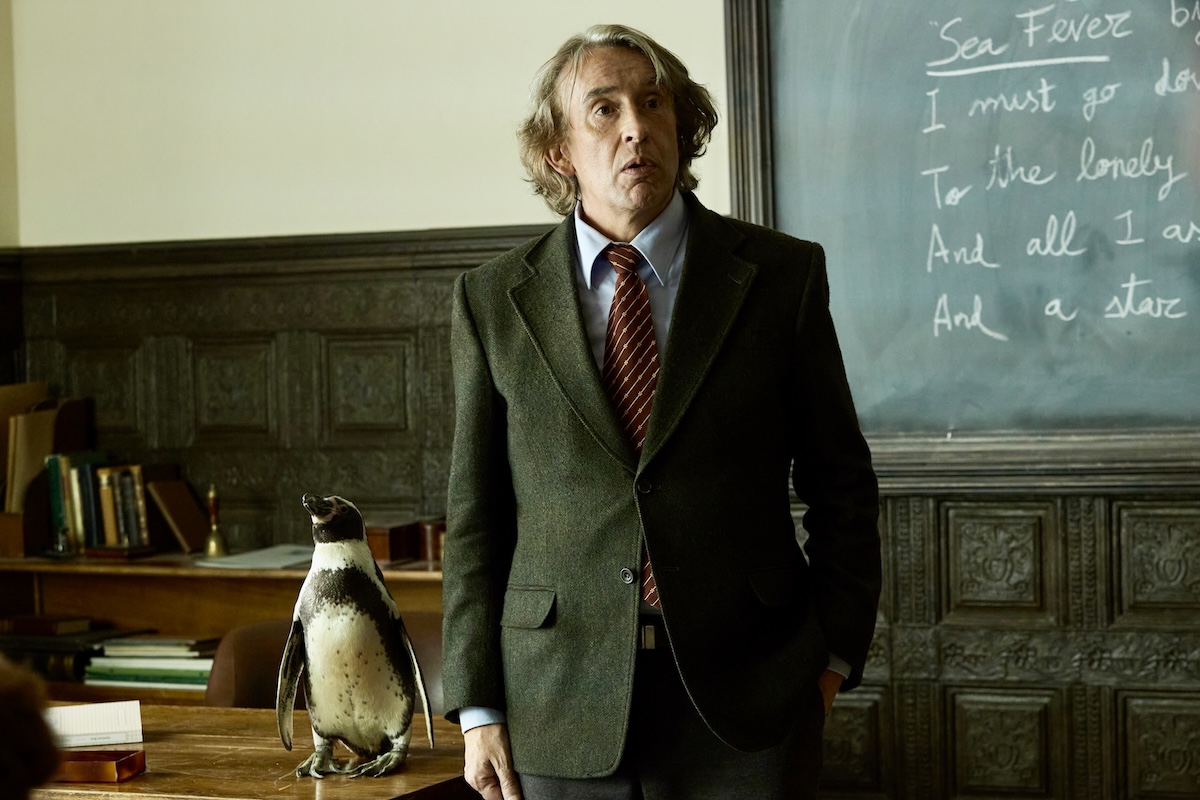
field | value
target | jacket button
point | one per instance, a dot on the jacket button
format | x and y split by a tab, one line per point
644	486
626	575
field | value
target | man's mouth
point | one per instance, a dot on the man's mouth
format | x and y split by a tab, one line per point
638	166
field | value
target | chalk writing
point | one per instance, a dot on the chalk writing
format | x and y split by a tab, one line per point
1005	171
1185	80
1128	237
1176	232
1058	240
953	196
1046	37
1097	96
1055	309
938	251
934	125
967	49
942	318
1066	29
1012	65
1146	164
1031	100
1181	15
1126	306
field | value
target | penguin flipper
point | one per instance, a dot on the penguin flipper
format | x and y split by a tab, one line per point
418	678
290	670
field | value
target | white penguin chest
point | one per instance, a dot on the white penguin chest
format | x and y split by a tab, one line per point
355	660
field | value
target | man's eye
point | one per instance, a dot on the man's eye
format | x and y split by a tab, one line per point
653	102
603	110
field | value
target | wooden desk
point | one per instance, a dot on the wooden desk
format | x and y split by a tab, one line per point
173	596
225	753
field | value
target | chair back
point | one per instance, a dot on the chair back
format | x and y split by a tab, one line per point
245	672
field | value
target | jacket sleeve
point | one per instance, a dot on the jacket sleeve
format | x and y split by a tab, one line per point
833	476
480	524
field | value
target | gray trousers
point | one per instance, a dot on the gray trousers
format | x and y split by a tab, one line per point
672	755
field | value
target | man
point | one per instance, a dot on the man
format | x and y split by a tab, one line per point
618	408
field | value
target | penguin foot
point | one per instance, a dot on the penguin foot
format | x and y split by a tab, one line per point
318	765
377	767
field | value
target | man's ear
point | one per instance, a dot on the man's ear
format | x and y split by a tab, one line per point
558	157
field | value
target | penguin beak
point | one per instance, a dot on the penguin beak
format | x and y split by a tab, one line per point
318	507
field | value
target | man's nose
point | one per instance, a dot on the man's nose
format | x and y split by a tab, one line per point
636	126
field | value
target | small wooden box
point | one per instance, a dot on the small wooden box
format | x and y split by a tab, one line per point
433	539
394	541
99	766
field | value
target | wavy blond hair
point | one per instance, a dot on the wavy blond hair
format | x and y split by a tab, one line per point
546	124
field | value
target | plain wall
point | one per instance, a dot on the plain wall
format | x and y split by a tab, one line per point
9	219
145	120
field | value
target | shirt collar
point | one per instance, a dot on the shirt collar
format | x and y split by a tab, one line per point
658	242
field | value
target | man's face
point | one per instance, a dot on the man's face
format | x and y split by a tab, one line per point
621	144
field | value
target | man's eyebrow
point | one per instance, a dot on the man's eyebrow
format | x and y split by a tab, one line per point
597	91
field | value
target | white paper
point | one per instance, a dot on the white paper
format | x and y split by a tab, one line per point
96	723
274	557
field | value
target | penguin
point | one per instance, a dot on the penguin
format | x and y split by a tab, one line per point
360	671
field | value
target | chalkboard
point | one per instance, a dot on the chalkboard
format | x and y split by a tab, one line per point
1009	198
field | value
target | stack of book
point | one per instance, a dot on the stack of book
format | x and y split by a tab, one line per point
58	647
153	662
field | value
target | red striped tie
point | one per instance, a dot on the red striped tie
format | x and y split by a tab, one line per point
631	363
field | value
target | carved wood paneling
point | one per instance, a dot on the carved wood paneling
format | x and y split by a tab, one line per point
1002	564
911	524
1161	746
1093	746
919	736
269	368
1011	646
1085	525
1158	563
858	744
369	386
1008	743
235	395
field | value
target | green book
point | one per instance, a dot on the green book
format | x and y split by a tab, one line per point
60	529
148	675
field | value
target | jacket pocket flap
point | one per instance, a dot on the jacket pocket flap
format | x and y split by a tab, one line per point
776	588
526	607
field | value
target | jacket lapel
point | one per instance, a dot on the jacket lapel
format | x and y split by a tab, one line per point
712	288
547	302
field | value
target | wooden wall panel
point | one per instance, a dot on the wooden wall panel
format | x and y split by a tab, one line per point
1161	745
1157	564
11	323
269	368
1002	565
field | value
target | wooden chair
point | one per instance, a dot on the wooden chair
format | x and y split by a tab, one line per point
245	670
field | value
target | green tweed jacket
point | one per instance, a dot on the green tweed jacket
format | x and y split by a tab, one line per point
548	504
